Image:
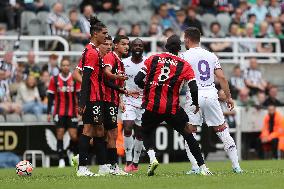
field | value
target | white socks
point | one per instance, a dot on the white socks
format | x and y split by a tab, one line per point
138	145
128	146
152	155
190	156
229	147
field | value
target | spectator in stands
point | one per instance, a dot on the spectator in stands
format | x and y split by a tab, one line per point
244	6
191	20
252	20
59	24
10	13
281	20
264	47
157	3
244	98
253	78
248	46
215	32
238	18
8	65
42	86
76	33
52	66
6	104
35	5
272	97
259	99
277	27
224	6
274	9
108	6
260	10
154	30
237	81
88	11
135	31
234	31
208	6
28	96
166	21
121	31
180	19
228	114
268	139
18	79
4	45
31	67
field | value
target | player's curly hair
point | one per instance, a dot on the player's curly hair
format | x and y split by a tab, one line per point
96	25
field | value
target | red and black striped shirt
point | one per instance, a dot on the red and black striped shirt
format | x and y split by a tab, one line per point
165	74
91	59
111	59
64	90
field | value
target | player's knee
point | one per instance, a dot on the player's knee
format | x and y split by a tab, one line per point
127	132
138	133
99	131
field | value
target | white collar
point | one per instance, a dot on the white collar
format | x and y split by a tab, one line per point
65	78
117	56
171	54
92	43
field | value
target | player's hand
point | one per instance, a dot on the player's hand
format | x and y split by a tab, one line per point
81	109
196	109
121	77
122	106
230	104
48	117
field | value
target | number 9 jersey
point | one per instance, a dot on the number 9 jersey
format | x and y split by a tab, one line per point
204	63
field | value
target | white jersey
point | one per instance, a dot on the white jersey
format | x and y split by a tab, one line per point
131	70
204	63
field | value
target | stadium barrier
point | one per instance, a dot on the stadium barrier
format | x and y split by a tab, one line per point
21	136
225	57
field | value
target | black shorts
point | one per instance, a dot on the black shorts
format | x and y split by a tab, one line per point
93	113
65	122
110	115
101	113
151	120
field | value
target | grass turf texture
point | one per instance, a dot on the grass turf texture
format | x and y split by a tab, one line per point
258	174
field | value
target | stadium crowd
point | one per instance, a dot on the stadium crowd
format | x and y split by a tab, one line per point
23	85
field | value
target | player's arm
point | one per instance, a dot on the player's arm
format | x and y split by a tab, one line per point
110	75
139	78
77	75
225	86
110	83
50	97
193	91
85	88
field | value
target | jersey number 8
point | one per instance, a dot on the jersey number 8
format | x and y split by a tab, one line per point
165	74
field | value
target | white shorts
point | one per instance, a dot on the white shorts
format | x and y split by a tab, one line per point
210	112
132	113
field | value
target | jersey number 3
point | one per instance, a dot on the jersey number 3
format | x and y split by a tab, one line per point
204	70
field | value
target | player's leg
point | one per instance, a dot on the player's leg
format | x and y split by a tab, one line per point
196	120
214	117
179	122
138	142
73	132
150	121
60	121
100	149
84	140
110	124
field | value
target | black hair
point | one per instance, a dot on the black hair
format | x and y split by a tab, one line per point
118	38
215	23
193	34
96	25
108	37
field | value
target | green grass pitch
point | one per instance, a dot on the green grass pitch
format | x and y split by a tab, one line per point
258	175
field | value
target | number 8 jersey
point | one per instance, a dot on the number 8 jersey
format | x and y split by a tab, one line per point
165	74
203	63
